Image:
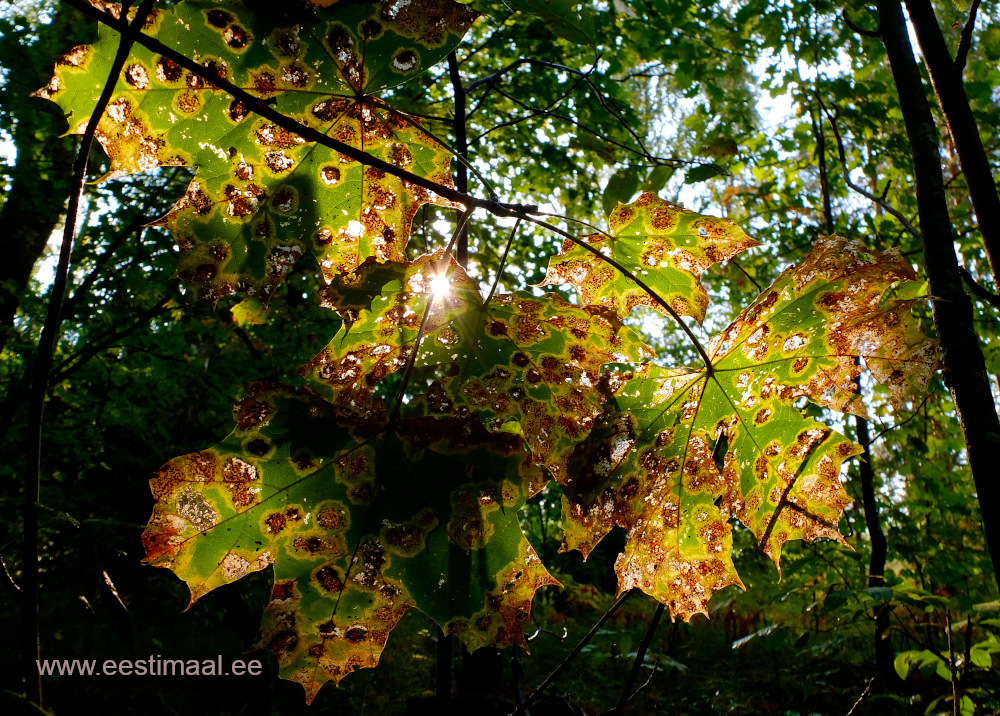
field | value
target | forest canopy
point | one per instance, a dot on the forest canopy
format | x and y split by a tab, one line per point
444	327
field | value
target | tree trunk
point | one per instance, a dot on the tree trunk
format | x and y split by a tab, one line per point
964	367
947	79
35	204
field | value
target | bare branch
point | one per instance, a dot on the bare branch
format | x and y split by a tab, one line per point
879	200
979	291
876	33
965	41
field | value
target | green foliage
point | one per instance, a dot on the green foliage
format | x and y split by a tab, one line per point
673	79
367	508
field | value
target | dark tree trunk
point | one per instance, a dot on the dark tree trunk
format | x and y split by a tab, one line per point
884	656
964	367
34	207
947	79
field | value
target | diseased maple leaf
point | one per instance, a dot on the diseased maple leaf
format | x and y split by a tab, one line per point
527	363
359	525
262	196
650	467
664	245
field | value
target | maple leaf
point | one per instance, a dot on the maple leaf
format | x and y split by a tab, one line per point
360	527
263	196
532	364
650	467
664	245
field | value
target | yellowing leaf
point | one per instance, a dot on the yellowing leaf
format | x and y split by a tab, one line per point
263	196
665	246
533	360
360	527
652	467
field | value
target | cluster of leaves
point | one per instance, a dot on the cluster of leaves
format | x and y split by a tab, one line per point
392	475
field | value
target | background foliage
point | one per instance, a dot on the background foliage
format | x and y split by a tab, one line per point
724	107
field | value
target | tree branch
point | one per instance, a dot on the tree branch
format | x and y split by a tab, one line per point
264	109
640	654
962	127
573	654
876	33
979	291
965	41
879	200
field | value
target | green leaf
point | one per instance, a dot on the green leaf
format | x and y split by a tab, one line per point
249	312
983	658
621	186
359	525
703	172
664	245
883	594
658	178
650	468
262	196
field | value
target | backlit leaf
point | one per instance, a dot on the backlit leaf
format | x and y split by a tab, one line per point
652	467
664	245
360	527
532	360
263	196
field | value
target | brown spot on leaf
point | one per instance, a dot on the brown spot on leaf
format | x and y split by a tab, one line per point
330	578
331	175
356	633
329	109
237	111
219	18
168	71
236	37
274	523
370	29
188	101
137	77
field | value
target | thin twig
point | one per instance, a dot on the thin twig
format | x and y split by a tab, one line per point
585	76
861	698
639	656
951	665
879	200
750	278
876	33
979	291
503	262
573	654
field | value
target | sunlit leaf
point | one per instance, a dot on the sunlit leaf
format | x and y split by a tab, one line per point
664	245
532	360
653	467
262	196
